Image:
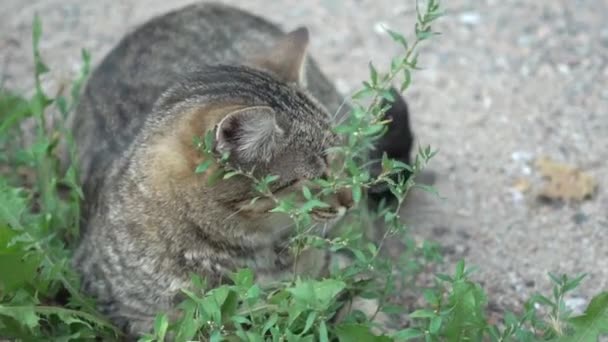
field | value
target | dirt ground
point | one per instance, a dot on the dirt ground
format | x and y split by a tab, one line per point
508	82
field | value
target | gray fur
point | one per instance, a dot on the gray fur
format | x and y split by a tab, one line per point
150	221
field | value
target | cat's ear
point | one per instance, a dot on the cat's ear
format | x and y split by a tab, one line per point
249	135
287	57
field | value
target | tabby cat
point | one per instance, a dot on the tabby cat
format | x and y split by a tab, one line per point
149	220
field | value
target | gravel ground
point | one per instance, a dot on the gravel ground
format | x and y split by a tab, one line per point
509	81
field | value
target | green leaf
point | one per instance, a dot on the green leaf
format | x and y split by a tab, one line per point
312	204
202	167
363	93
240	320
312	316
466	321
84	72
316	293
13	109
359	333
459	270
435	325
213	301
216	336
16	268
208	140
230	174
40	67
323	336
253	293
306	192
430	297
593	323
407	79
574	283
424	35
356	189
12	206
24	314
270	179
407	334
387	95
423	313
243	278
373	74
190	321
229	306
253	337
160	326
272	320
538	298
372	130
397	37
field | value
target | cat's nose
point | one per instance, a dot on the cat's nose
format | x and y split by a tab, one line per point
345	198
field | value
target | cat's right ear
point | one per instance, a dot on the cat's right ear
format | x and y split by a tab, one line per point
249	135
287	57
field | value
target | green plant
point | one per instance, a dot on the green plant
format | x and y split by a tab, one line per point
39	215
39	212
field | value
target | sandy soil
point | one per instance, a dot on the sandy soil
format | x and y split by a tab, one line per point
509	81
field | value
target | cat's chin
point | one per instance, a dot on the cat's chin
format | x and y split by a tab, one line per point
327	221
328	215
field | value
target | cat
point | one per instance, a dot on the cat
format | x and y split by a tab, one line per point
396	142
149	220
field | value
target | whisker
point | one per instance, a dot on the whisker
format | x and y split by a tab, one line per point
234	213
340	107
325	228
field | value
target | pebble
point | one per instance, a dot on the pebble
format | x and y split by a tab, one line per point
521	156
563	68
380	28
576	304
470	18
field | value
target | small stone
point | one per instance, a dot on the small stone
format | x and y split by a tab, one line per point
524	156
563	68
469	18
517	196
380	27
524	41
440	231
487	102
579	218
502	63
576	304
342	86
461	250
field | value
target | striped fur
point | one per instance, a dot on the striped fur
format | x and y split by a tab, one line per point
149	220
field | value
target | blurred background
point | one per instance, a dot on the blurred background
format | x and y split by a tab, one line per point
513	94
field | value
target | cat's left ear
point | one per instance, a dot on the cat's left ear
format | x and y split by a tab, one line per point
287	57
249	135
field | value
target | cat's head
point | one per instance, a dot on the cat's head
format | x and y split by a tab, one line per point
264	120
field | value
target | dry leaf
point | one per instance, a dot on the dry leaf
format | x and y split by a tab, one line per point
521	185
564	182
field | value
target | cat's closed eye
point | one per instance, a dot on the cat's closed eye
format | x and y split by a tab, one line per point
286	185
